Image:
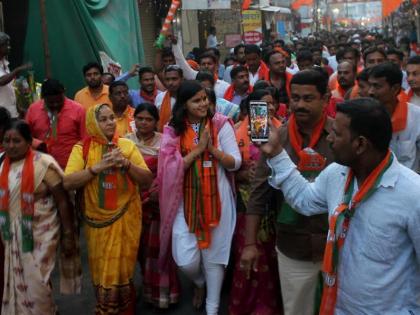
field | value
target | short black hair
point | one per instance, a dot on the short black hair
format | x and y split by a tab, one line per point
363	75
237	47
368	118
415	60
175	68
207	54
372	50
5	117
144	70
346	50
115	84
51	87
91	65
391	72
271	52
393	51
205	76
214	51
21	127
304	55
311	77
236	70
167	52
261	85
252	49
150	108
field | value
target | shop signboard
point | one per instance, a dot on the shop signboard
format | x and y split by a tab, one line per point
206	4
252	27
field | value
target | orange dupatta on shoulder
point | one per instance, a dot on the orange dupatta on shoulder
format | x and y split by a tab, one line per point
202	205
27	201
165	111
399	116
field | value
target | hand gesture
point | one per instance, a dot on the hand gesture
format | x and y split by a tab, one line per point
23	67
106	163
134	70
249	260
173	38
118	157
273	146
204	140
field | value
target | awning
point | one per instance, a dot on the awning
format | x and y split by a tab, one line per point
272	9
277	9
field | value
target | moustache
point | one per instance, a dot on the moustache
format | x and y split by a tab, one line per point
301	110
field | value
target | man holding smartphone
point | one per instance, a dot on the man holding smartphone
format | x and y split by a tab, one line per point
300	240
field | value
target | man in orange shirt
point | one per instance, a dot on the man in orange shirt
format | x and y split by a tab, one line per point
120	99
95	92
346	77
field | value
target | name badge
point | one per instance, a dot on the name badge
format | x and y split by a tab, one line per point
207	164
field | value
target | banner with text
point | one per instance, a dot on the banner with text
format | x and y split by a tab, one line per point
251	21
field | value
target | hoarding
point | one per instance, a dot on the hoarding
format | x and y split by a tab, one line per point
205	4
251	21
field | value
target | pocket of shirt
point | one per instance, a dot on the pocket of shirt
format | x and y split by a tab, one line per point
406	151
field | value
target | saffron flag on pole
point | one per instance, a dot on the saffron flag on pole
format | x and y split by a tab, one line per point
389	6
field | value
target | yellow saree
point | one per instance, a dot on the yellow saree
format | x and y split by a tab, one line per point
112	235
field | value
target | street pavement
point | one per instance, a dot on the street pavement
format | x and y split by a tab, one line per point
84	303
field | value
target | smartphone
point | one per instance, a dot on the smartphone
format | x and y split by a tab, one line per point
258	120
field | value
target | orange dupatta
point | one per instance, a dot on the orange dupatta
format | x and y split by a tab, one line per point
341	218
230	92
308	161
202	205
263	72
399	116
27	201
165	111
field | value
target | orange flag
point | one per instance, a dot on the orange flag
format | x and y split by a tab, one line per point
389	6
246	4
298	3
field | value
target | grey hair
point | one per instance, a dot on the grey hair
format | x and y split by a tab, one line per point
4	38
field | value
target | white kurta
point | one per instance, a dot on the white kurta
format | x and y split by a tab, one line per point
184	244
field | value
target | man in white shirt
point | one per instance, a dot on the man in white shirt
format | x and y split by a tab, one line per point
207	62
212	39
372	201
239	53
7	92
413	77
385	85
258	70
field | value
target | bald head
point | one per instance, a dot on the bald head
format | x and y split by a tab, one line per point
346	74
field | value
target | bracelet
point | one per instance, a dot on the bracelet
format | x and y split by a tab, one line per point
92	171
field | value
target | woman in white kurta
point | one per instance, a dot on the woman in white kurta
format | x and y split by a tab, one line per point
204	219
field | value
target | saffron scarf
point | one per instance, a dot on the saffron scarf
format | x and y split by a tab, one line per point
107	180
399	116
202	206
339	224
165	111
230	92
147	97
310	164
263	72
27	201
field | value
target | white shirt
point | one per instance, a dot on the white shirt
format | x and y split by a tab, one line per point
379	265
220	86
253	78
406	144
211	41
226	75
7	92
159	99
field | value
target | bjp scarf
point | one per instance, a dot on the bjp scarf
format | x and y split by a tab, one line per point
107	180
27	201
310	164
338	228
202	206
263	72
165	111
147	97
230	92
399	116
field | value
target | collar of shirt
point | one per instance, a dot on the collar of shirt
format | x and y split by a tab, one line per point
104	91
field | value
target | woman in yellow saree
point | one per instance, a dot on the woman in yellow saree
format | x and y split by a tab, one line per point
110	170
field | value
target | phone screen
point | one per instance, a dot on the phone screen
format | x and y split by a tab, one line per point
258	120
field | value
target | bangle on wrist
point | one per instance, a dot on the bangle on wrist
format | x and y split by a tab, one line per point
90	169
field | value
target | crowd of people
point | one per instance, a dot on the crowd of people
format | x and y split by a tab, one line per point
322	218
